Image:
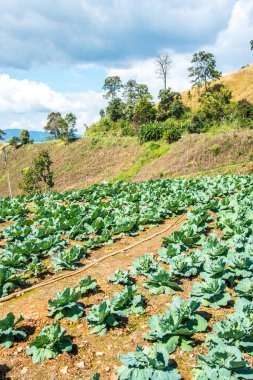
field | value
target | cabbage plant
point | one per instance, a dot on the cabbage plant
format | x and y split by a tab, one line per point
147	363
101	318
49	343
65	305
211	293
162	283
223	362
175	327
121	277
8	333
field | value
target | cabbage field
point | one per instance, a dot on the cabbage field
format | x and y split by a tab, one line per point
199	282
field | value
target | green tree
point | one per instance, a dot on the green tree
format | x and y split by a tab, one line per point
244	112
102	113
112	86
216	103
39	177
144	111
15	141
170	105
68	127
53	124
132	91
203	69
59	127
115	109
25	137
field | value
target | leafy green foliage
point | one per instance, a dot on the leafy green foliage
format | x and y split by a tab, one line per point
69	259
121	277
128	302
8	281
165	254
146	266
38	178
65	305
149	363
112	86
245	288
36	267
7	331
102	318
183	266
211	293
223	362
49	343
162	283
151	131
237	331
203	69
176	326
60	127
213	247
25	137
241	265
216	269
87	285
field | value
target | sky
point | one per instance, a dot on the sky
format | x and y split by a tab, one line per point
55	55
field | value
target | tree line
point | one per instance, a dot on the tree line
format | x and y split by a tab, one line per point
131	109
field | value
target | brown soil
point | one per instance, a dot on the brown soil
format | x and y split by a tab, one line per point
33	306
94	353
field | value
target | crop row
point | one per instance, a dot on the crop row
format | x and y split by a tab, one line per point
223	263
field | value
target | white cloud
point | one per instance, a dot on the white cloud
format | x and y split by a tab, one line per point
232	46
22	98
34	33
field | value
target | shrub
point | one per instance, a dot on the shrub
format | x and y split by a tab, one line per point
150	131
215	149
172	131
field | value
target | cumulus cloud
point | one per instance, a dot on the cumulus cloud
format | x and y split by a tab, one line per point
34	33
119	36
232	46
21	98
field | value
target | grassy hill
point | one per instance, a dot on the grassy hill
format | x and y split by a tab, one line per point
92	160
240	83
222	150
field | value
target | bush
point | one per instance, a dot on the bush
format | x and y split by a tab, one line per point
172	131
215	149
150	132
198	123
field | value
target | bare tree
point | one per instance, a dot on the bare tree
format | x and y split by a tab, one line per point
163	66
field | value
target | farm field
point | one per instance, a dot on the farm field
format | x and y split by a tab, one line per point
150	280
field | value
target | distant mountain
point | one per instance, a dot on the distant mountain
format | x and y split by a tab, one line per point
37	136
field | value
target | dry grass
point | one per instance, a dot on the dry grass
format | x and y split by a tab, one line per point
240	83
201	153
90	161
76	165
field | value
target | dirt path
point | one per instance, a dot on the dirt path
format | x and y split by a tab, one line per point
92	353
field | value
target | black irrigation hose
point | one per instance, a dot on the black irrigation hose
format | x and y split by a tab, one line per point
63	276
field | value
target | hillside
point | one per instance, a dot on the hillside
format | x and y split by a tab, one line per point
240	83
92	160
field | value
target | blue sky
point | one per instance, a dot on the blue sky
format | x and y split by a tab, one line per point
54	56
